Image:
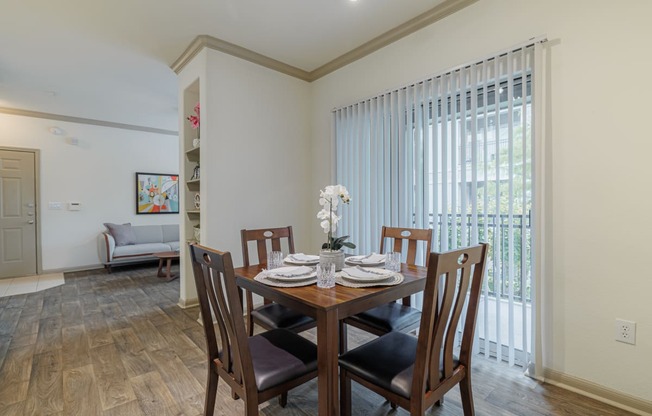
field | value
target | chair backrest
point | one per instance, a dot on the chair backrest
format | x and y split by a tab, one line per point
219	297
261	237
411	235
453	287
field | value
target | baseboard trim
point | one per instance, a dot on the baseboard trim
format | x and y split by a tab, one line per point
74	269
188	303
595	391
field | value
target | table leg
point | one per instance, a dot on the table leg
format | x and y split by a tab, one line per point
160	268
167	276
167	272
327	352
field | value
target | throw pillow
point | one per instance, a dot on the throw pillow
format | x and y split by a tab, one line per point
123	234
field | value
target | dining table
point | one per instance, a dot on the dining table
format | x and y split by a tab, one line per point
328	307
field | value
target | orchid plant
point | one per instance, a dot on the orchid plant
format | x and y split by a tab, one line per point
329	199
194	118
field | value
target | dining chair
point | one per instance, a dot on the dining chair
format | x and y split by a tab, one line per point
255	368
392	316
415	373
271	315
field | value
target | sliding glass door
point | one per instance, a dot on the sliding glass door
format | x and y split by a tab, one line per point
453	153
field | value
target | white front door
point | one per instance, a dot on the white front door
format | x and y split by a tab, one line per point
17	213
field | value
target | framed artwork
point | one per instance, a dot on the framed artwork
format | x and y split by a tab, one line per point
157	193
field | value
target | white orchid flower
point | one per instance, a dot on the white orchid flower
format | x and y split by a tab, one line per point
329	200
326	226
324	214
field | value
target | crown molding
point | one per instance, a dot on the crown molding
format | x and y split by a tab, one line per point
399	32
205	41
429	17
80	120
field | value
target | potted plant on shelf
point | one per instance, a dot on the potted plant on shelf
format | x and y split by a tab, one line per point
194	123
197	233
329	199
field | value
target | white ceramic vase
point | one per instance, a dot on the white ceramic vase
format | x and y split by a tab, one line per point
334	256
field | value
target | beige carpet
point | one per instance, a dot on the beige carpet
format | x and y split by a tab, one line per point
29	284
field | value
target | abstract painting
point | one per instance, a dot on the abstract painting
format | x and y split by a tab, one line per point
157	193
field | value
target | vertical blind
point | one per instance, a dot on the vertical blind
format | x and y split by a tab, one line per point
452	153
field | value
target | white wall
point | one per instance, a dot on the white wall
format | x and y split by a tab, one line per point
99	172
257	146
600	93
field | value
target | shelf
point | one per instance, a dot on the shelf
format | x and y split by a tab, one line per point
193	184
193	154
193	213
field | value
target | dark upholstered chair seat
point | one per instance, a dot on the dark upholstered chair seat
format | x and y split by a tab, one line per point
280	355
274	316
397	352
388	317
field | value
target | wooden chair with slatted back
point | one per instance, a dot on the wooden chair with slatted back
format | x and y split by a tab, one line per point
415	373
392	316
271	315
256	368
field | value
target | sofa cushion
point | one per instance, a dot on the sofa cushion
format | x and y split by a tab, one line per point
123	234
148	234
140	249
170	233
174	245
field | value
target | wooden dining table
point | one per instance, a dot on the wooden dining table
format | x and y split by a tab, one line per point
328	307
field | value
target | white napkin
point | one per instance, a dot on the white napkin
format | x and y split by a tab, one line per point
371	273
290	271
372	259
301	257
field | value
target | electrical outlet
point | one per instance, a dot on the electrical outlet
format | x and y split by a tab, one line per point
626	331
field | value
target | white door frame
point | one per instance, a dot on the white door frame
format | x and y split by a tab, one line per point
37	198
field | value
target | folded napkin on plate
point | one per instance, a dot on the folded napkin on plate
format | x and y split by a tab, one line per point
293	271
302	257
373	258
362	273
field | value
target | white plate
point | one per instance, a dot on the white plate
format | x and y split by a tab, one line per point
366	260
301	259
349	273
310	274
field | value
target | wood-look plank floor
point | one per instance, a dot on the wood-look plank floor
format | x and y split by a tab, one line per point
117	344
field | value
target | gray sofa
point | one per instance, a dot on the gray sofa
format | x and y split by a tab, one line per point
126	244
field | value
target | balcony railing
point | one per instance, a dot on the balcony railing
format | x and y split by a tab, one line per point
502	267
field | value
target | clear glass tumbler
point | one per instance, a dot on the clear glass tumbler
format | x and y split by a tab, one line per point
393	261
326	275
274	259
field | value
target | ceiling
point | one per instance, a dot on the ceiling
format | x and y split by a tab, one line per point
110	60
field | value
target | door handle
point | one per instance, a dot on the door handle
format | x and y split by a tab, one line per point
30	222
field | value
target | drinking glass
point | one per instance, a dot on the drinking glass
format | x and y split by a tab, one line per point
326	275
274	259
393	261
